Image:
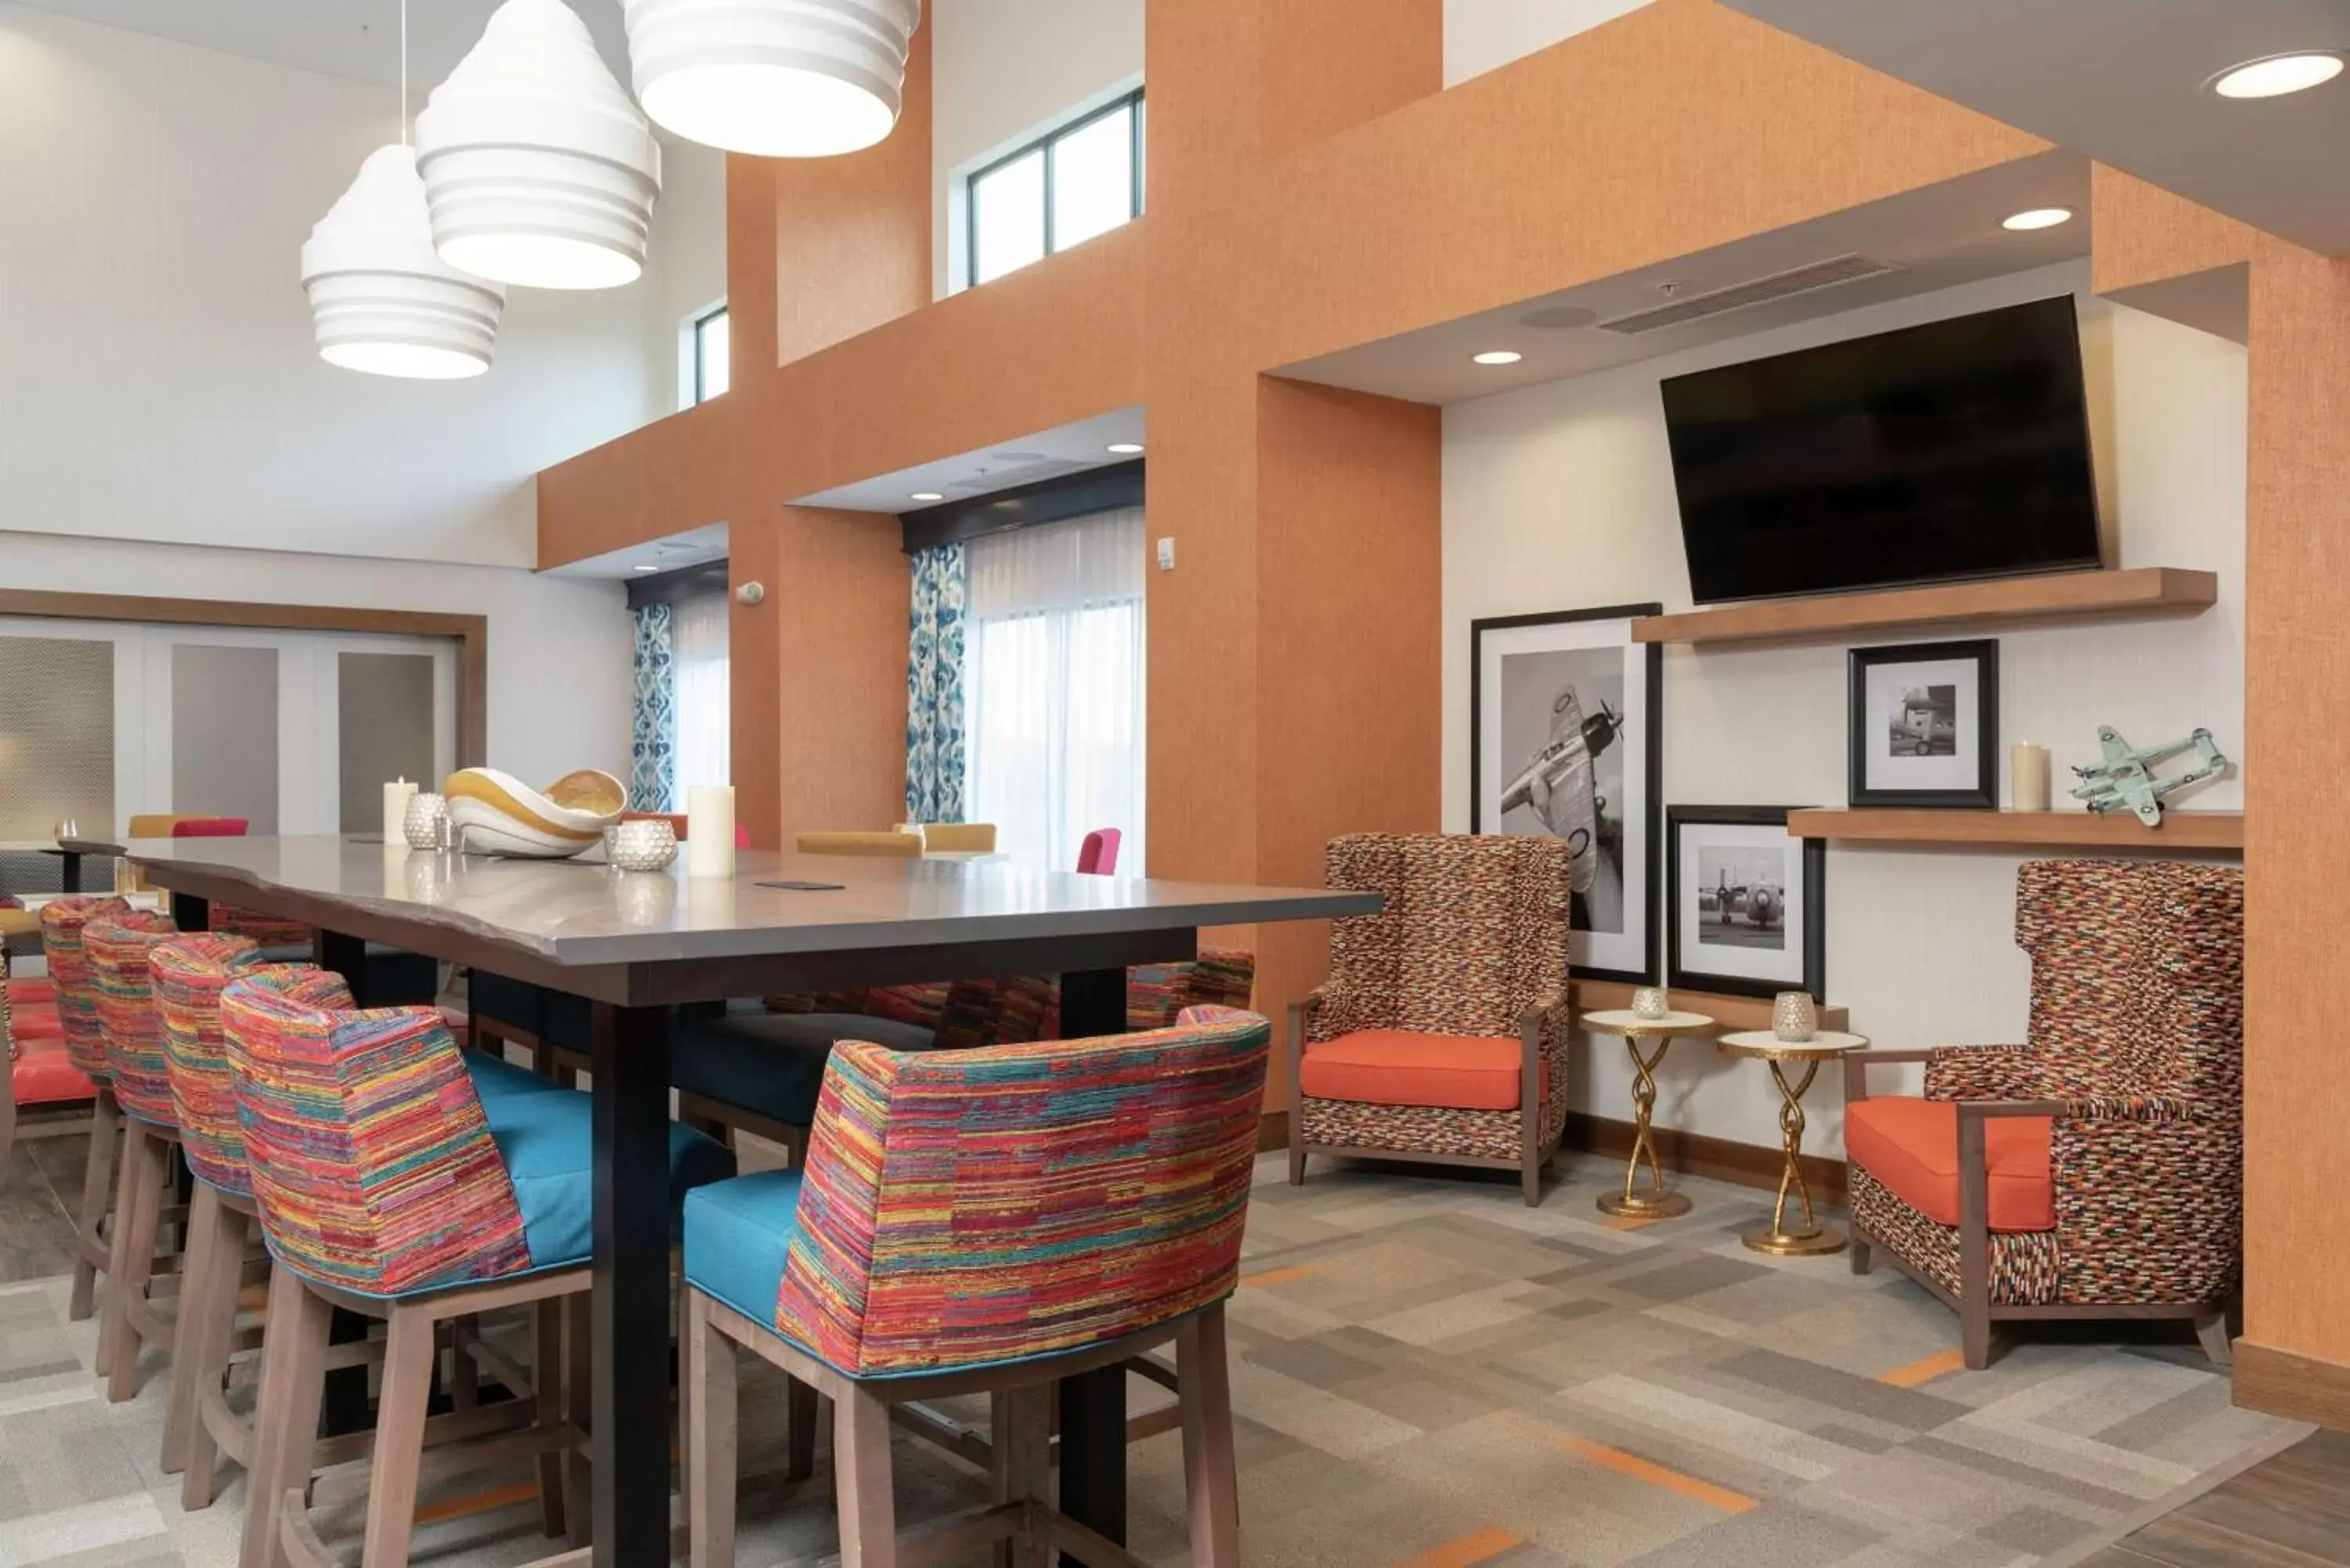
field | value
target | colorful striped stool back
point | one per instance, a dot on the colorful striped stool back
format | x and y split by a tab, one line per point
118	948
372	1164
63	921
967	1208
189	973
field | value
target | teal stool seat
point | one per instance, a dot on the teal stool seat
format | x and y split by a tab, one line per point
547	1141
772	1064
737	1235
494	1076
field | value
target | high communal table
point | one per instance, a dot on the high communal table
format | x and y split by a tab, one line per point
636	945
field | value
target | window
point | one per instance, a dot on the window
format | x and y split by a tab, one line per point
698	650
1053	686
711	350
1081	181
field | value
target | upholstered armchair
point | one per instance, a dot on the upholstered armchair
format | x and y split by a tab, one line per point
2097	1169
1441	1033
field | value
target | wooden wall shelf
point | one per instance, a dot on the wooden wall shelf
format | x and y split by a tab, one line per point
2057	596
2033	829
1730	1012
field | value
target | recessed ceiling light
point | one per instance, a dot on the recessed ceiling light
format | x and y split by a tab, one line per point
1126	447
649	568
1499	356
2037	218
928	495
2277	75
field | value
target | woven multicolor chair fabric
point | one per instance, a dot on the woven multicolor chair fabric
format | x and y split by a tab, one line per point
959	1209
372	1163
118	948
63	921
191	972
1029	1008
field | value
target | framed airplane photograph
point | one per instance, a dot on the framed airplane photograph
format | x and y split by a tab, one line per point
1747	902
1924	721
1566	739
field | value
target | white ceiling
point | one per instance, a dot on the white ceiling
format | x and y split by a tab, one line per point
692	549
1941	236
1047	455
2122	81
356	38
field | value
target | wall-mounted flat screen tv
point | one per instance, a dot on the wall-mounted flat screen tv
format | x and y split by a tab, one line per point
1958	449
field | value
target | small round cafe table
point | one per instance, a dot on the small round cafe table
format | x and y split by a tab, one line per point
1827	1045
1653	1203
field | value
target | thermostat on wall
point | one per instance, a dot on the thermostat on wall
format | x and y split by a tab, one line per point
1166	555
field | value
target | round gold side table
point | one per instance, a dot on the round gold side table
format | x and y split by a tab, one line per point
1825	1046
1655	1203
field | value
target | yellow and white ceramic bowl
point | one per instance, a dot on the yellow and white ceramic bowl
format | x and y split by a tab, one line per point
493	813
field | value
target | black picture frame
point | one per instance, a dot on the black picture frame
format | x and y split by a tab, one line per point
1644	817
1813	957
1982	793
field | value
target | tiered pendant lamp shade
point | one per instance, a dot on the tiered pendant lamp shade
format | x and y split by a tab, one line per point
383	301
780	78
538	168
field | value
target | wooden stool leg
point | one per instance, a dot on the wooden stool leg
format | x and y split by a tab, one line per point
192	1327
96	1197
1210	1477
139	1210
206	1350
1021	1422
578	1395
286	1428
710	1470
399	1438
547	1391
860	1463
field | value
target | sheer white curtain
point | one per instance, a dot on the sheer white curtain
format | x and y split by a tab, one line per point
705	719
1053	687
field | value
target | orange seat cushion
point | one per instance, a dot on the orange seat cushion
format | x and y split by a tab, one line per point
1393	1067
44	1075
1911	1148
36	1023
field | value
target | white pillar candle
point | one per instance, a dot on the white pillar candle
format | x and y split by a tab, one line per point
396	796
710	831
2027	777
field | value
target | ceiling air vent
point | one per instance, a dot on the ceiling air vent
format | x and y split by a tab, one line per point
1756	291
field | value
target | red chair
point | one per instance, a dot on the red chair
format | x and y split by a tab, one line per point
210	827
1098	855
676	819
33	1047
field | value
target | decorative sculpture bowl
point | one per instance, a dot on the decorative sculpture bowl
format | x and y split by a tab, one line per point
645	846
497	813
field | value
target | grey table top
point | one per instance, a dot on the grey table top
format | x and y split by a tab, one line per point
569	913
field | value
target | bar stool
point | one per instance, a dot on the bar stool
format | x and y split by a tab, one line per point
119	947
490	1210
63	921
988	1221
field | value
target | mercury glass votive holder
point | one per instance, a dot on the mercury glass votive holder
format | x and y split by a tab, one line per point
647	846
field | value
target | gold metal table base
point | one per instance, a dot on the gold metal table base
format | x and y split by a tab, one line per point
1812	1238
1633	1203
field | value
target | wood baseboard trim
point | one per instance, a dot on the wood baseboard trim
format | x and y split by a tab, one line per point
1696	1154
2297	1387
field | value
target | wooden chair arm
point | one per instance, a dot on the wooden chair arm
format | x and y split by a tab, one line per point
1857	1063
1301	1020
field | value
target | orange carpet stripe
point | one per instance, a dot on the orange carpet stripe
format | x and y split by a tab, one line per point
1641	1470
1925	1369
1282	1276
1481	1547
478	1502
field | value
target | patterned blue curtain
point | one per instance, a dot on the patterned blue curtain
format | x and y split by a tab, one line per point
653	740
934	737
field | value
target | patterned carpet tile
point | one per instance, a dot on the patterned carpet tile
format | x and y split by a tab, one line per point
1426	1374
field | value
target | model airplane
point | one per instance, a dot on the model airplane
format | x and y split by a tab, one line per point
2125	780
1558	785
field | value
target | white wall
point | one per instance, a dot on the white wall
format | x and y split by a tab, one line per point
1003	70
157	379
1480	34
1561	496
561	685
687	272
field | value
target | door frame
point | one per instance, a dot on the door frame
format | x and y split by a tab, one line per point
471	633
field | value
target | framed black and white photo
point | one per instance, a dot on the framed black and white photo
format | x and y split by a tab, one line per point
1566	739
1747	903
1925	726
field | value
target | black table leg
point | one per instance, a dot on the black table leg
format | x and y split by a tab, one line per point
189	912
630	1359
1093	1405
69	875
347	956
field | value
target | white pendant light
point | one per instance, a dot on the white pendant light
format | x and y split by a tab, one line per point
383	302
781	79
538	169
382	299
